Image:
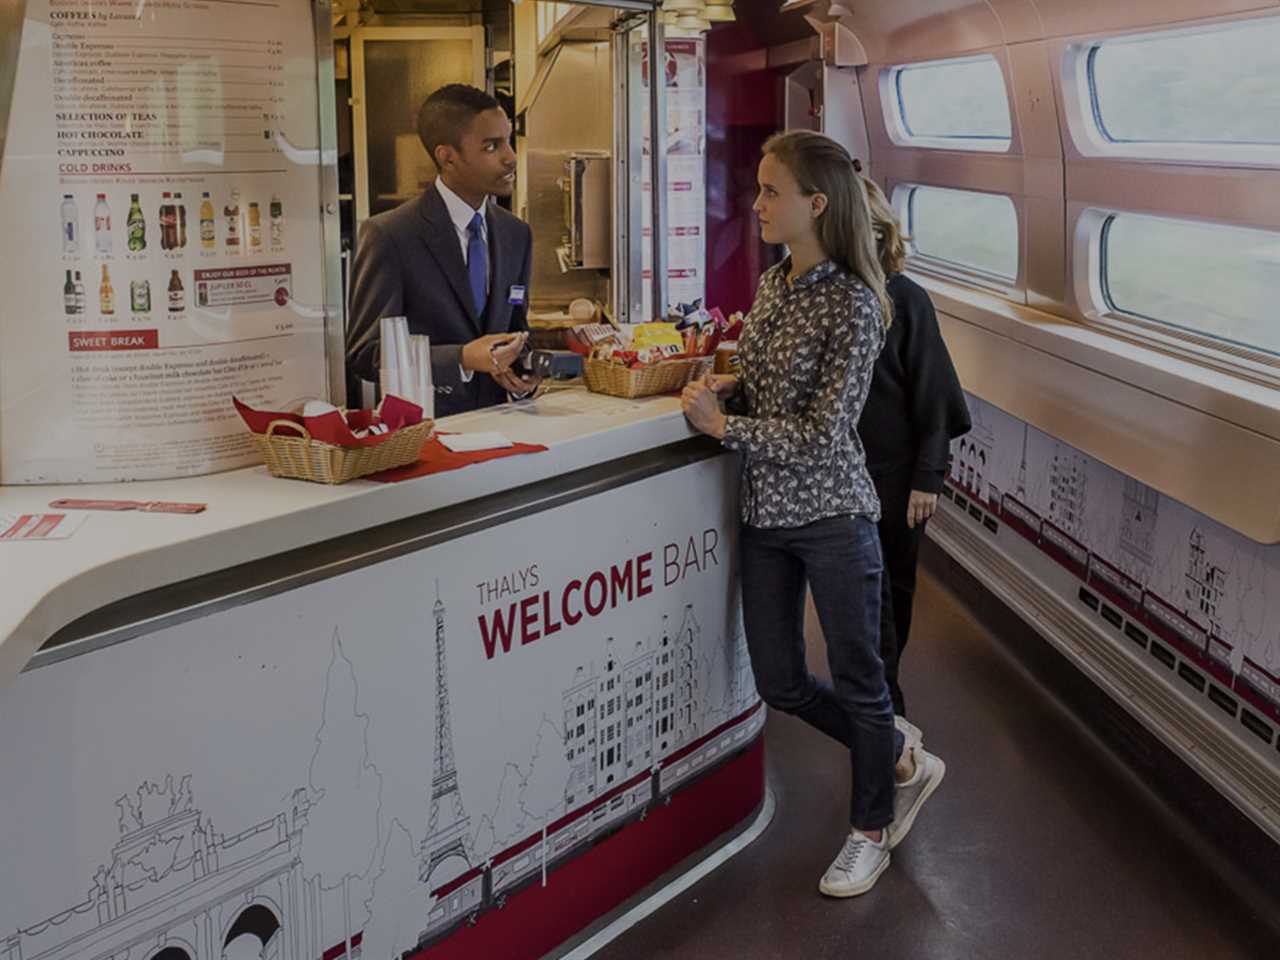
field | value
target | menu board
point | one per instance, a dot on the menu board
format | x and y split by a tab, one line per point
161	189
685	75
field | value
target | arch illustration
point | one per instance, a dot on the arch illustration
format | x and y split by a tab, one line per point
257	921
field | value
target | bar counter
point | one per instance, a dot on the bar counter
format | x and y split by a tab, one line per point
463	715
252	515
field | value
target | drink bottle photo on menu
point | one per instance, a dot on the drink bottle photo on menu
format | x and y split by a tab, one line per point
177	297
136	226
70	225
182	220
102	226
232	214
168	223
255	227
106	294
208	229
140	296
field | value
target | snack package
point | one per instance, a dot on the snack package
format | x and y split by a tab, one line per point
585	337
734	329
656	354
656	335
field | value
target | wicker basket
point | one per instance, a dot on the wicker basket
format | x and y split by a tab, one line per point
302	458
619	381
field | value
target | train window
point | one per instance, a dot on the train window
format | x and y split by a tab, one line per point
950	104
1206	279
1202	94
964	232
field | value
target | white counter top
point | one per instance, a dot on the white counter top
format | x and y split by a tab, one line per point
251	515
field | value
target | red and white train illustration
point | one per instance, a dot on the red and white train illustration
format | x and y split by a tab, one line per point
488	886
1199	655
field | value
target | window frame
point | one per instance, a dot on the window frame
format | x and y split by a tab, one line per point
1088	131
895	114
1099	309
903	202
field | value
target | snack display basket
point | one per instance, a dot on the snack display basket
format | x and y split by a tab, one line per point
295	454
668	376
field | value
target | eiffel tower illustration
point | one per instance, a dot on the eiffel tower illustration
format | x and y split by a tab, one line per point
447	828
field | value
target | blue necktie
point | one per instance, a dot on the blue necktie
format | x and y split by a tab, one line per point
477	263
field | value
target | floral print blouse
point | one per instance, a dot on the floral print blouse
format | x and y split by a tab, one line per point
805	360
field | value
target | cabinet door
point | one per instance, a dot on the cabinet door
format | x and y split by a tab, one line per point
394	69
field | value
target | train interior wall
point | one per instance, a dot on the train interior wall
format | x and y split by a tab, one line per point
1138	570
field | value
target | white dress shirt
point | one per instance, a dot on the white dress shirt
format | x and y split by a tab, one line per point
462	213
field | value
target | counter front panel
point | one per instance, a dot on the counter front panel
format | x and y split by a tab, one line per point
473	745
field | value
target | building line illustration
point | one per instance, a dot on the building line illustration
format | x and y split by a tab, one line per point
174	888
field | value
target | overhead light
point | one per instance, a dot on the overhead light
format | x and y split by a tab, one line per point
696	16
693	22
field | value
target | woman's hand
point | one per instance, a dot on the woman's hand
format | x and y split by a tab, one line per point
920	507
721	384
703	409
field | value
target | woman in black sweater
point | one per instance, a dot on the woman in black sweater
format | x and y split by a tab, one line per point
914	409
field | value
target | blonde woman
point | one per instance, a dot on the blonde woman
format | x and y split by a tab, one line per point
914	410
808	506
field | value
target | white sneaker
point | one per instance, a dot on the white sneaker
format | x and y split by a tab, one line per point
856	867
910	796
912	734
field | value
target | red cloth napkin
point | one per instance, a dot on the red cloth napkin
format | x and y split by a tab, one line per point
332	428
437	458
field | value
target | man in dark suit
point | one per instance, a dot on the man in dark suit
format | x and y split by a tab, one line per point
452	261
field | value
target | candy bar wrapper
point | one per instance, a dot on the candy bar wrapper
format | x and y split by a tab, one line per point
735	328
583	338
714	339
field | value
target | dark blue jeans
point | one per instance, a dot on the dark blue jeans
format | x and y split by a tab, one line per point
839	559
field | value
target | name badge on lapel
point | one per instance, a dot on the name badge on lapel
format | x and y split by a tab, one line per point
516	295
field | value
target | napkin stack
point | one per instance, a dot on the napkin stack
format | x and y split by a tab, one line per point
406	365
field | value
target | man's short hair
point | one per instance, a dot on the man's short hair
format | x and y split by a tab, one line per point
446	113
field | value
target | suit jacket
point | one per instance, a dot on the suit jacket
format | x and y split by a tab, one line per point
409	263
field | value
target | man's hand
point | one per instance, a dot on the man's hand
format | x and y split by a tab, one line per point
920	507
517	385
493	354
